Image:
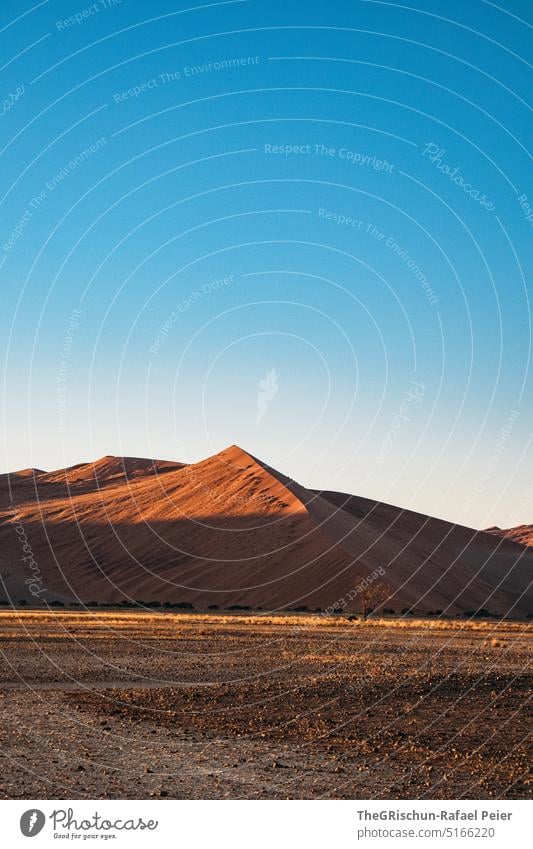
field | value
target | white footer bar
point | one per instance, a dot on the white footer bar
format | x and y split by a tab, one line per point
264	824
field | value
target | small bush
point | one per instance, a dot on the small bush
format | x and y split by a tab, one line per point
212	606
481	613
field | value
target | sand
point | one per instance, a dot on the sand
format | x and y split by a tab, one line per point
231	531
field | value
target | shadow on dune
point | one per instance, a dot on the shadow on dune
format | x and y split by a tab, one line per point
303	559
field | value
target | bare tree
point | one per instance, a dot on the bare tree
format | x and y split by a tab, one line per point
371	596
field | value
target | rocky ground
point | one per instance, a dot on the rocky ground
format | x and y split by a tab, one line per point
129	705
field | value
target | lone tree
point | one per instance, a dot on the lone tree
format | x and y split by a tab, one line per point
371	596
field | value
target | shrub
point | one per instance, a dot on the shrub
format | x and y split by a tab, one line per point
212	606
481	613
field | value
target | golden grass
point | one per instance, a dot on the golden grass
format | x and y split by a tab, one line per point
91	620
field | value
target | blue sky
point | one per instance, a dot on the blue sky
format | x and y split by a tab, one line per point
317	210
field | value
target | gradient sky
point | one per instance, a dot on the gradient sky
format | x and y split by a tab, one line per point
301	228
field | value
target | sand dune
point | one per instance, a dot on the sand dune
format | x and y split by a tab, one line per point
521	533
232	531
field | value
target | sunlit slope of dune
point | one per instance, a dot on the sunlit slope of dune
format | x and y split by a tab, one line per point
522	534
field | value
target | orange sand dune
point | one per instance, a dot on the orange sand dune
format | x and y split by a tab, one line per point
521	533
232	531
108	469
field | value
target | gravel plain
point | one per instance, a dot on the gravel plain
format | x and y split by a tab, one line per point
139	705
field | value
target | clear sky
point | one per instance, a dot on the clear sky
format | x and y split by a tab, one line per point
304	228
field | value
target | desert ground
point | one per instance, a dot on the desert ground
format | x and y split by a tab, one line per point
139	705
